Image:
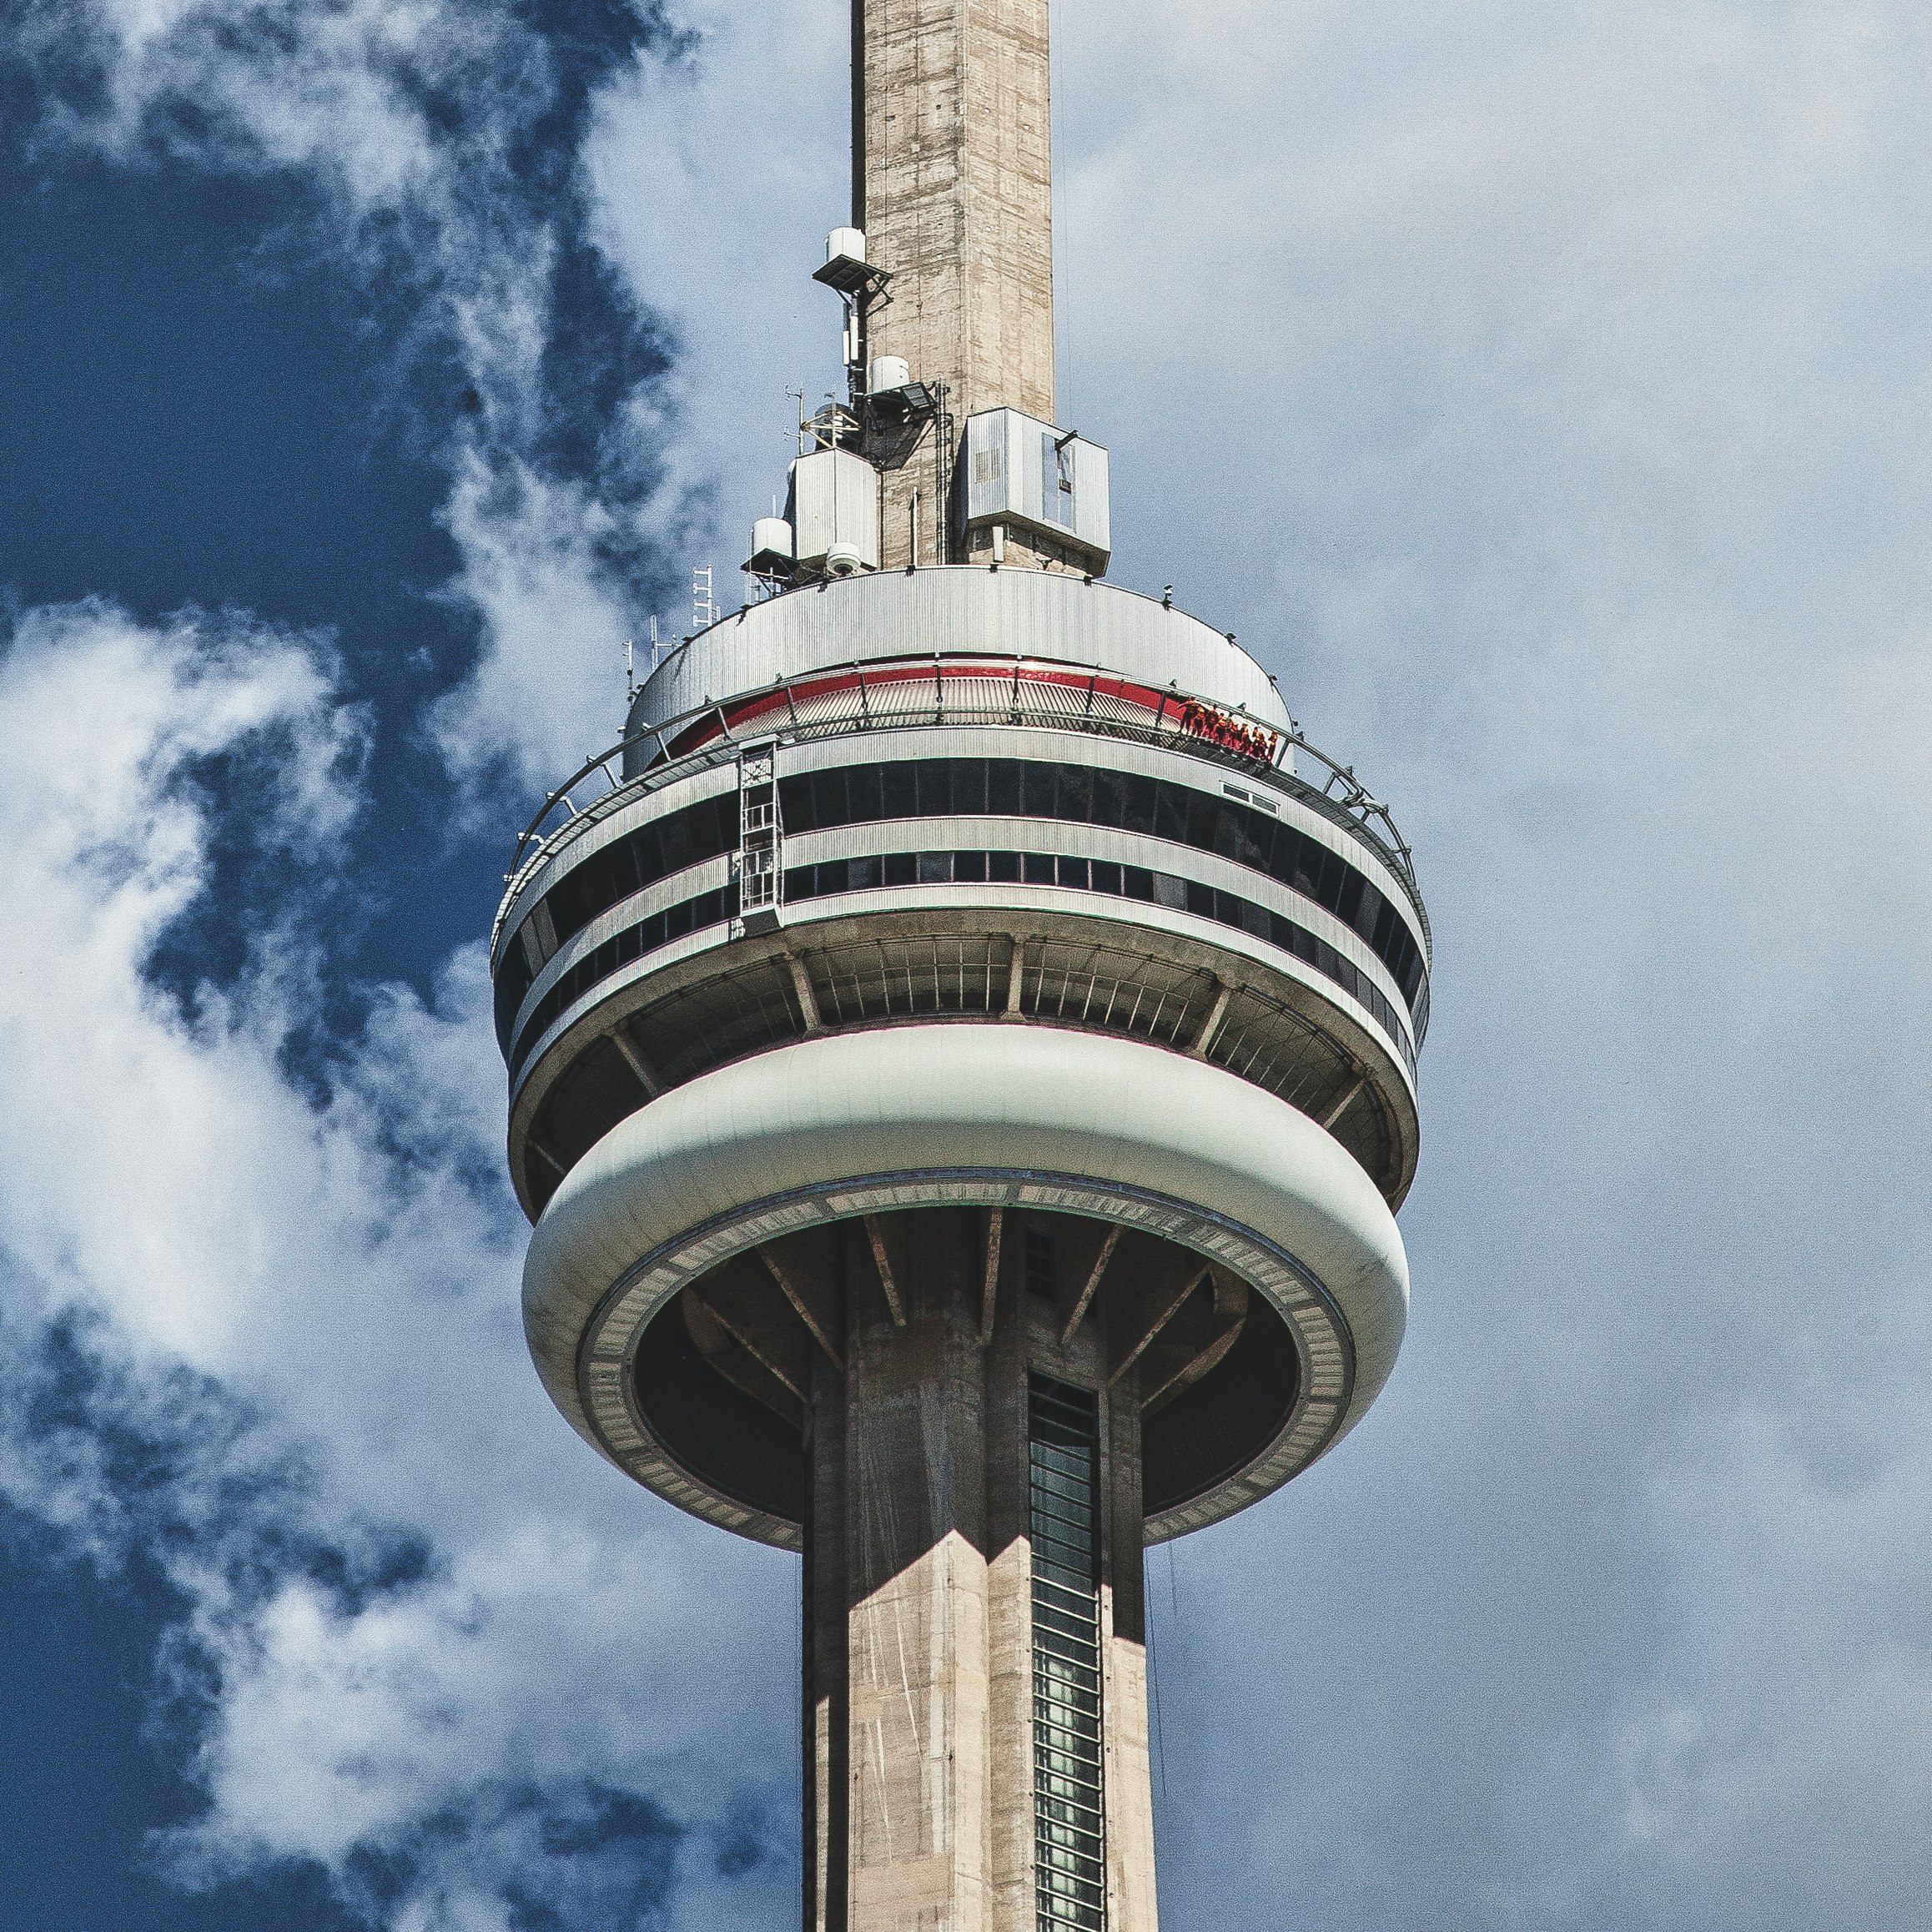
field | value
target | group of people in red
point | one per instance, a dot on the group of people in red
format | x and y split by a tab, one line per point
1203	720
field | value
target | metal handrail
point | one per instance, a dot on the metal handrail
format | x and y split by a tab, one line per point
1341	798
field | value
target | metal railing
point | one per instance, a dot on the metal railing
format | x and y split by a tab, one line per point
1339	797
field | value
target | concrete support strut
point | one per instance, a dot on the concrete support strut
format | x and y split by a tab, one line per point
920	1666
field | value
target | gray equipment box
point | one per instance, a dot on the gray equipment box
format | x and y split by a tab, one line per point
1021	471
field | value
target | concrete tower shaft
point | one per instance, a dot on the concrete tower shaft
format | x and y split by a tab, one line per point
953	184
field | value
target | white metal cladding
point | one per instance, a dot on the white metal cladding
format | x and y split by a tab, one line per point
703	876
703	940
855	1123
834	501
1020	470
886	744
655	802
881	957
953	609
1039	693
1023	835
1191	945
1035	907
1019	834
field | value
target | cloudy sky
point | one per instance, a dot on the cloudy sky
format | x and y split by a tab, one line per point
1540	390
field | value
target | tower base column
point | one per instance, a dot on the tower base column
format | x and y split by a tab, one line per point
975	1709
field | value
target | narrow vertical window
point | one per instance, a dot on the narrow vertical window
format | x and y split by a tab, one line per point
1039	1264
1070	1872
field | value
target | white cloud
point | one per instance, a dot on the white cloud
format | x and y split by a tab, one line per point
716	176
406	128
548	687
427	1617
1550	395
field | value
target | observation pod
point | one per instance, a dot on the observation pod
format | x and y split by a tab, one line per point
962	1074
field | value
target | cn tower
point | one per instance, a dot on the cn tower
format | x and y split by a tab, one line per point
962	1050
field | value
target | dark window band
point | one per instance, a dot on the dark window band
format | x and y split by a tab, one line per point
834	876
627	865
903	868
708	909
933	787
1131	802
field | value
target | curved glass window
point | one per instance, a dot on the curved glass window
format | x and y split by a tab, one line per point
627	865
1011	787
1128	801
710	909
1131	881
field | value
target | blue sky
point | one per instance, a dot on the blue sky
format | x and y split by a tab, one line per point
1541	394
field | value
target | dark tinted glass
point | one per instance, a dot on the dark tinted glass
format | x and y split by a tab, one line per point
967	786
834	876
901	790
1002	786
1109	799
674	844
795	807
1036	789
865	790
933	783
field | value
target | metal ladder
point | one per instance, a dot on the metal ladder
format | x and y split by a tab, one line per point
759	835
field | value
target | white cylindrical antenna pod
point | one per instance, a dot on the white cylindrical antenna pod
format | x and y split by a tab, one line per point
848	243
773	549
887	373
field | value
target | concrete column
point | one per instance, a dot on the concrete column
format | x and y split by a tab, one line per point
953	184
920	1825
825	1726
1130	1789
918	1648
1010	1596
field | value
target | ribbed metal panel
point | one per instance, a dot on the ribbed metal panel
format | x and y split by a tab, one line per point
1069	1842
1037	616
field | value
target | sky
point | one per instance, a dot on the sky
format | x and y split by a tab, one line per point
1539	391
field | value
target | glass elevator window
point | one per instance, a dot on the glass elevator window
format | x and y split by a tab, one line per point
1039	1264
1070	1842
